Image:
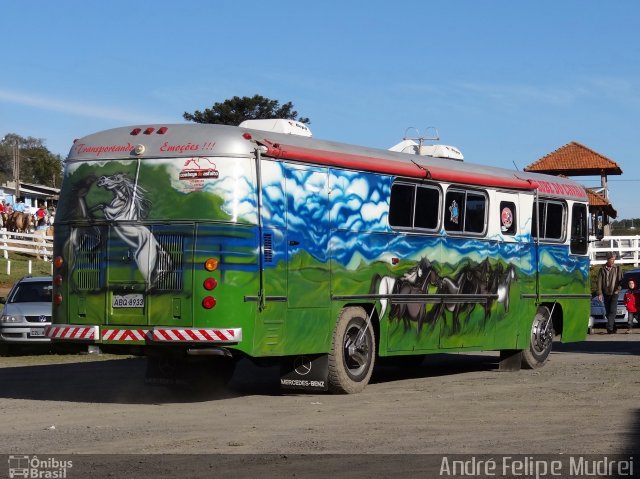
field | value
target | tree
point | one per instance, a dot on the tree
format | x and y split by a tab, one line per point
235	110
37	164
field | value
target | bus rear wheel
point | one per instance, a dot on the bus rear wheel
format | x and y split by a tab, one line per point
542	333
353	352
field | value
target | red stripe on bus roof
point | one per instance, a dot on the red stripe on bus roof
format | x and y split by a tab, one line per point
381	165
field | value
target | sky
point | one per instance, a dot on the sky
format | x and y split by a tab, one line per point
506	82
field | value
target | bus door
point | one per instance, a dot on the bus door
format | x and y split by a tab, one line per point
307	237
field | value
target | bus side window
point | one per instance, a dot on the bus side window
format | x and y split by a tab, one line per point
474	220
551	219
401	205
508	218
427	208
555	221
454	210
579	239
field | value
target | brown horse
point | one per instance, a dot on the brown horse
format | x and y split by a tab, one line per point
19	222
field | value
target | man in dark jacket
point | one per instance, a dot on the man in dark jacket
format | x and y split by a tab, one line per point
609	278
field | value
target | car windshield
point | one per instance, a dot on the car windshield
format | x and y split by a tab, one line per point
32	292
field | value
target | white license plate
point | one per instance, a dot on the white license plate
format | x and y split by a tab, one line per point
127	301
36	332
621	311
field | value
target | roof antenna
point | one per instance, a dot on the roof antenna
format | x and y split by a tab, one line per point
515	166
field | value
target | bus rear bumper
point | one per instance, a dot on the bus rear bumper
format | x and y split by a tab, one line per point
154	335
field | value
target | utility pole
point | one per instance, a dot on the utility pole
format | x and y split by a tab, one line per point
16	168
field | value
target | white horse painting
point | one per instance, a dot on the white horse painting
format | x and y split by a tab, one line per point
127	208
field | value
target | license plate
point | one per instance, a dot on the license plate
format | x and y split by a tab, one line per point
36	332
127	301
621	311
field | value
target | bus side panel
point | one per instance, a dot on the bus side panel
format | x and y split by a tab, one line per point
295	213
563	273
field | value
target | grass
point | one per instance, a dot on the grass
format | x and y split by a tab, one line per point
20	268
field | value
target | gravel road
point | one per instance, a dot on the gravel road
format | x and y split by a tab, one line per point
586	400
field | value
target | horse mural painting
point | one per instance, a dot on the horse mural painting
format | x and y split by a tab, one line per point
415	281
472	285
126	209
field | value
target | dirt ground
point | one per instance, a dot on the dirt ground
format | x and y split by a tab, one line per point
585	400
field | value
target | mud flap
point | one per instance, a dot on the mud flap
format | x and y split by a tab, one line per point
510	360
308	372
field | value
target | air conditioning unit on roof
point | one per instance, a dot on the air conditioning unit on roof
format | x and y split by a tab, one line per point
288	127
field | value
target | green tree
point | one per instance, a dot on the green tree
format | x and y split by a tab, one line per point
235	110
37	164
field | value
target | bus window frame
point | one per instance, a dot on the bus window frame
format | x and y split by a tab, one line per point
584	238
463	211
536	221
413	227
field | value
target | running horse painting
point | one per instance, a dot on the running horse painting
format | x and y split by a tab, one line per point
415	281
127	208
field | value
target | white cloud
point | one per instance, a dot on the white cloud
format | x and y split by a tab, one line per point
75	108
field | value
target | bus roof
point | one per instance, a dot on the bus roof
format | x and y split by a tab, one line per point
189	140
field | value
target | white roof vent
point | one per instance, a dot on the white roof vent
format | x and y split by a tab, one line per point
289	127
416	146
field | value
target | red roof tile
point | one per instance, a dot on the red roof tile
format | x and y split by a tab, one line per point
574	159
596	200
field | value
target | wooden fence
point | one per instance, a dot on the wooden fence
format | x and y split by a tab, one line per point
36	244
626	248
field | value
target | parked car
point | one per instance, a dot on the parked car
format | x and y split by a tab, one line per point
27	311
598	316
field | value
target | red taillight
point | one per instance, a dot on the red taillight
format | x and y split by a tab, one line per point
136	131
208	302
57	280
246	136
210	283
57	299
162	131
148	131
58	262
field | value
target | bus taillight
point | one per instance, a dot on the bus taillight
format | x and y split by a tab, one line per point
211	264
210	284
208	302
57	299
57	280
58	262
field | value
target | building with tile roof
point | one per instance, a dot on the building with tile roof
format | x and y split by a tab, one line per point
575	159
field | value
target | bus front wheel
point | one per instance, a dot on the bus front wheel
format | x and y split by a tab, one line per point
542	333
353	352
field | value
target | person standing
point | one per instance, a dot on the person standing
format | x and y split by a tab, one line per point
632	302
609	278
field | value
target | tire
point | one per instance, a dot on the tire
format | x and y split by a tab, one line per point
350	364
542	333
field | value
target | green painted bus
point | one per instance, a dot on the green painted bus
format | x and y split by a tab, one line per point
210	243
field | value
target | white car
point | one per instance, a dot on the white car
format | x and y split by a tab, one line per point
27	311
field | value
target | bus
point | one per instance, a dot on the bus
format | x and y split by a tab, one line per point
204	244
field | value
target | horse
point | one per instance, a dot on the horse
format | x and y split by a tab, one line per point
126	209
19	222
500	282
470	280
414	281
